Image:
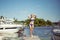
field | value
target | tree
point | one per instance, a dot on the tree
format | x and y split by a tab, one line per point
49	22
27	21
16	21
40	22
36	22
1	17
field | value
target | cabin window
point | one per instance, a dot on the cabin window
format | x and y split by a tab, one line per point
11	28
1	28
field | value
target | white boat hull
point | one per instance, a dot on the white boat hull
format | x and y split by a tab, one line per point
10	28
9	31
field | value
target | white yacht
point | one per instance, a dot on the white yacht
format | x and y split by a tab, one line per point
7	26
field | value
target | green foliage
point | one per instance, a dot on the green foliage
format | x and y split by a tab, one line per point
27	21
1	17
49	22
39	22
17	22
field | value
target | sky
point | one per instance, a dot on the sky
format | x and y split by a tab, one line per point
20	9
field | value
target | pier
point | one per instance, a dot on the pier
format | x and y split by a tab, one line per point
32	38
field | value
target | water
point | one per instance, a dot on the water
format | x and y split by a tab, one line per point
42	32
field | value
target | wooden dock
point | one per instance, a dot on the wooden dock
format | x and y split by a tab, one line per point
32	38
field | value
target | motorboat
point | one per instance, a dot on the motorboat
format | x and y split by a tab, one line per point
7	26
56	30
9	30
56	33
